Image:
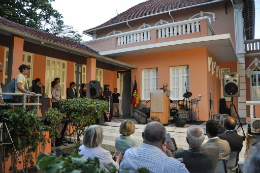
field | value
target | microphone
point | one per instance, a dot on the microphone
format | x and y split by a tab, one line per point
199	97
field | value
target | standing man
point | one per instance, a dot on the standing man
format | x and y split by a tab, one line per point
21	85
115	102
71	91
1	97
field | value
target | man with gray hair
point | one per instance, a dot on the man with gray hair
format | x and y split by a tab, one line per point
198	159
150	155
221	123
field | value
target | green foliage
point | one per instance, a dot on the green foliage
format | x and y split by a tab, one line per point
54	117
25	127
38	14
83	112
50	163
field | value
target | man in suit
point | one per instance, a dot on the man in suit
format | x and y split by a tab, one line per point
198	159
221	122
235	141
212	128
71	91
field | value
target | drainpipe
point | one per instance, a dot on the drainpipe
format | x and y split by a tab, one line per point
129	26
171	16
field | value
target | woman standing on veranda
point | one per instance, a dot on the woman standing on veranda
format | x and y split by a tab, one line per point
55	94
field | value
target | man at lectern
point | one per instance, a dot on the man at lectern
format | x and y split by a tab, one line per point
168	92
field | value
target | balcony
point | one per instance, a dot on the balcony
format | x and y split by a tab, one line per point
252	47
192	28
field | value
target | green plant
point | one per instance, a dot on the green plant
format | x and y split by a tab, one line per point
53	116
83	112
25	127
50	163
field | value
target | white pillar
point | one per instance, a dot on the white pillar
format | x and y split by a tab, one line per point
240	50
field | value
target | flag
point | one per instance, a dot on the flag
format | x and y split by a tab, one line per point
135	97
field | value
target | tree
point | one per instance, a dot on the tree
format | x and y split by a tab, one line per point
38	14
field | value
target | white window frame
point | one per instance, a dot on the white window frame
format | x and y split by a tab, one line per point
228	99
255	90
48	82
181	88
84	74
25	54
98	76
151	88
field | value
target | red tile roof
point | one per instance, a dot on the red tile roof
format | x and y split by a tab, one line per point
150	7
45	36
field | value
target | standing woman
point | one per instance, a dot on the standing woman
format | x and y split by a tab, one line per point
82	91
55	94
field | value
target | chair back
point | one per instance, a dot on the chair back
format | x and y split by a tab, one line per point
233	160
221	166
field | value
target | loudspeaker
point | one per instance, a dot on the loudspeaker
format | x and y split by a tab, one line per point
95	89
181	118
231	85
140	117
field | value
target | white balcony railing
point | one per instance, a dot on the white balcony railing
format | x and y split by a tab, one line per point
166	30
251	45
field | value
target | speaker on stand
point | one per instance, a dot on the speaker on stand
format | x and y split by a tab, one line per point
231	88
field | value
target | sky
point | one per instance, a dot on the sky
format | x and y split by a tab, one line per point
85	14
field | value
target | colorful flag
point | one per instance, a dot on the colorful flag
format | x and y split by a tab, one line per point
135	97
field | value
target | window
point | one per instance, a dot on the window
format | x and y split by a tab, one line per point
84	72
255	84
179	82
27	60
55	69
99	76
223	71
149	82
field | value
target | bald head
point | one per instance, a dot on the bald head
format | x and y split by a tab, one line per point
230	123
195	136
154	132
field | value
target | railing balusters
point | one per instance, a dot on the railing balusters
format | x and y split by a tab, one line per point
188	28
175	30
138	37
171	31
179	29
163	32
193	27
167	32
118	40
149	35
184	29
145	36
197	27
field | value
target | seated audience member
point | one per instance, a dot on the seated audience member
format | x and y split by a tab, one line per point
92	139
212	128
198	159
169	142
124	142
221	122
235	141
150	155
252	163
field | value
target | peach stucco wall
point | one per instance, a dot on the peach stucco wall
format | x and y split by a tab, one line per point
17	55
196	59
110	78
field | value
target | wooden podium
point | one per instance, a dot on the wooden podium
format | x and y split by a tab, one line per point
160	105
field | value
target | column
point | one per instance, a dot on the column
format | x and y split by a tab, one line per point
15	57
240	50
91	73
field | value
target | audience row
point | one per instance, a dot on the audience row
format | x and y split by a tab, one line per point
158	152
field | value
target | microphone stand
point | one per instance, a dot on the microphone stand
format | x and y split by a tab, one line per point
210	102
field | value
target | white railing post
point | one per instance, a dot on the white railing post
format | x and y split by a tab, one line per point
171	31
184	29
118	40
134	38
163	32
122	40
179	28
188	28
159	33
197	27
167	32
192	27
24	100
175	30
145	36
149	35
138	37
128	39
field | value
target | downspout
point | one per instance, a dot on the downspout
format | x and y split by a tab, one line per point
171	16
129	26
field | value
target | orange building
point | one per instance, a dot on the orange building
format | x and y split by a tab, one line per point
187	44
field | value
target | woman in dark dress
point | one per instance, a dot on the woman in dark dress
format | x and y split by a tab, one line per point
82	91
